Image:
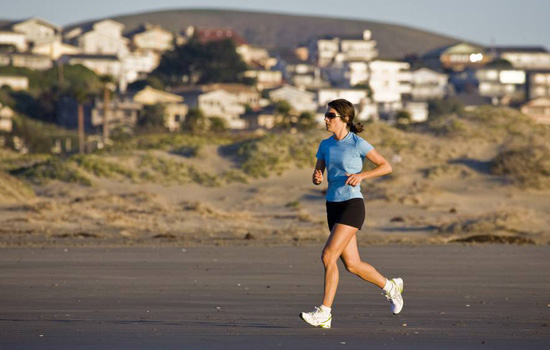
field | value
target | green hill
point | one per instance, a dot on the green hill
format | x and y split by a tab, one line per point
274	31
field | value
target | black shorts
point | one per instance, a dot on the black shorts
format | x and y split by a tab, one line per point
350	212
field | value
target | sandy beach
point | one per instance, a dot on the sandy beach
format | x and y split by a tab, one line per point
456	297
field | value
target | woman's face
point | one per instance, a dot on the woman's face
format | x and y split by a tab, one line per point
333	122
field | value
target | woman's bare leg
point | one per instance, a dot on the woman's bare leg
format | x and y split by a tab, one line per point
352	261
336	243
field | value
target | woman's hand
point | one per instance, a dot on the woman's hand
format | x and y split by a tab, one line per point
317	177
354	179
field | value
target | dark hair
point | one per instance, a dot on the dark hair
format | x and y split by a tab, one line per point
347	114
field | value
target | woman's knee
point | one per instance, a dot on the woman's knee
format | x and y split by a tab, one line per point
352	266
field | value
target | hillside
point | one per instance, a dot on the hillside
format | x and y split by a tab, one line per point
286	31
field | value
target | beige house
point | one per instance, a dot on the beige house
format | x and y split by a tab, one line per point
151	37
100	64
14	82
538	84
55	50
38	31
174	108
538	109
99	38
246	95
17	40
299	99
217	103
256	56
6	118
343	48
458	57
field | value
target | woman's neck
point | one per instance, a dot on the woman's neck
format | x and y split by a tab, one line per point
340	134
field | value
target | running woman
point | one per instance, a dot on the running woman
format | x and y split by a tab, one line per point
343	155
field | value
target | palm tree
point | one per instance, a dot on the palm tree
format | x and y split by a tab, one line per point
107	83
80	95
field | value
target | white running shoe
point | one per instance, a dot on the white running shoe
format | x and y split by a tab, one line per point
317	318
394	295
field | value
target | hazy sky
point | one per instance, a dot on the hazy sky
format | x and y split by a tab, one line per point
504	22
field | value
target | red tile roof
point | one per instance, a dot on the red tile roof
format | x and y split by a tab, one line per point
216	34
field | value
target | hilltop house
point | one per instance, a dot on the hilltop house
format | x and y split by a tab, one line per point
174	108
99	38
299	72
457	57
389	81
428	84
100	64
246	95
331	49
151	37
9	38
37	31
524	58
538	109
14	82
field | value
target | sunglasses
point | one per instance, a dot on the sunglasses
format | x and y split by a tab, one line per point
331	115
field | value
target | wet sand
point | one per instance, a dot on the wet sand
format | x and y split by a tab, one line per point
456	297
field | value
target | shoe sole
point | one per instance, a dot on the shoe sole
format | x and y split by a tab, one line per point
326	326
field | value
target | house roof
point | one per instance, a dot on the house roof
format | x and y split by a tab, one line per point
39	20
520	49
89	26
94	57
144	28
217	34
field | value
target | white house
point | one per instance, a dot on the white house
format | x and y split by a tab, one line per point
417	110
389	80
524	57
428	84
99	38
217	103
38	31
246	95
136	65
254	55
15	82
300	100
9	37
265	79
151	37
343	48
538	84
502	84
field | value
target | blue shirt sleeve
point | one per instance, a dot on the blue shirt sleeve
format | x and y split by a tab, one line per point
364	147
320	152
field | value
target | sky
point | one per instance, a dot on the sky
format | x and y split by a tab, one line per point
488	22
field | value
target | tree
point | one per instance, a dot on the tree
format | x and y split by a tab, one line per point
217	124
152	117
107	82
306	121
195	121
198	63
444	107
282	115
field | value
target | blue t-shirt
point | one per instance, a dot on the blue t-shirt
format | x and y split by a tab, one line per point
341	157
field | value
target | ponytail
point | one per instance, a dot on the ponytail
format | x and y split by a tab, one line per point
355	128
